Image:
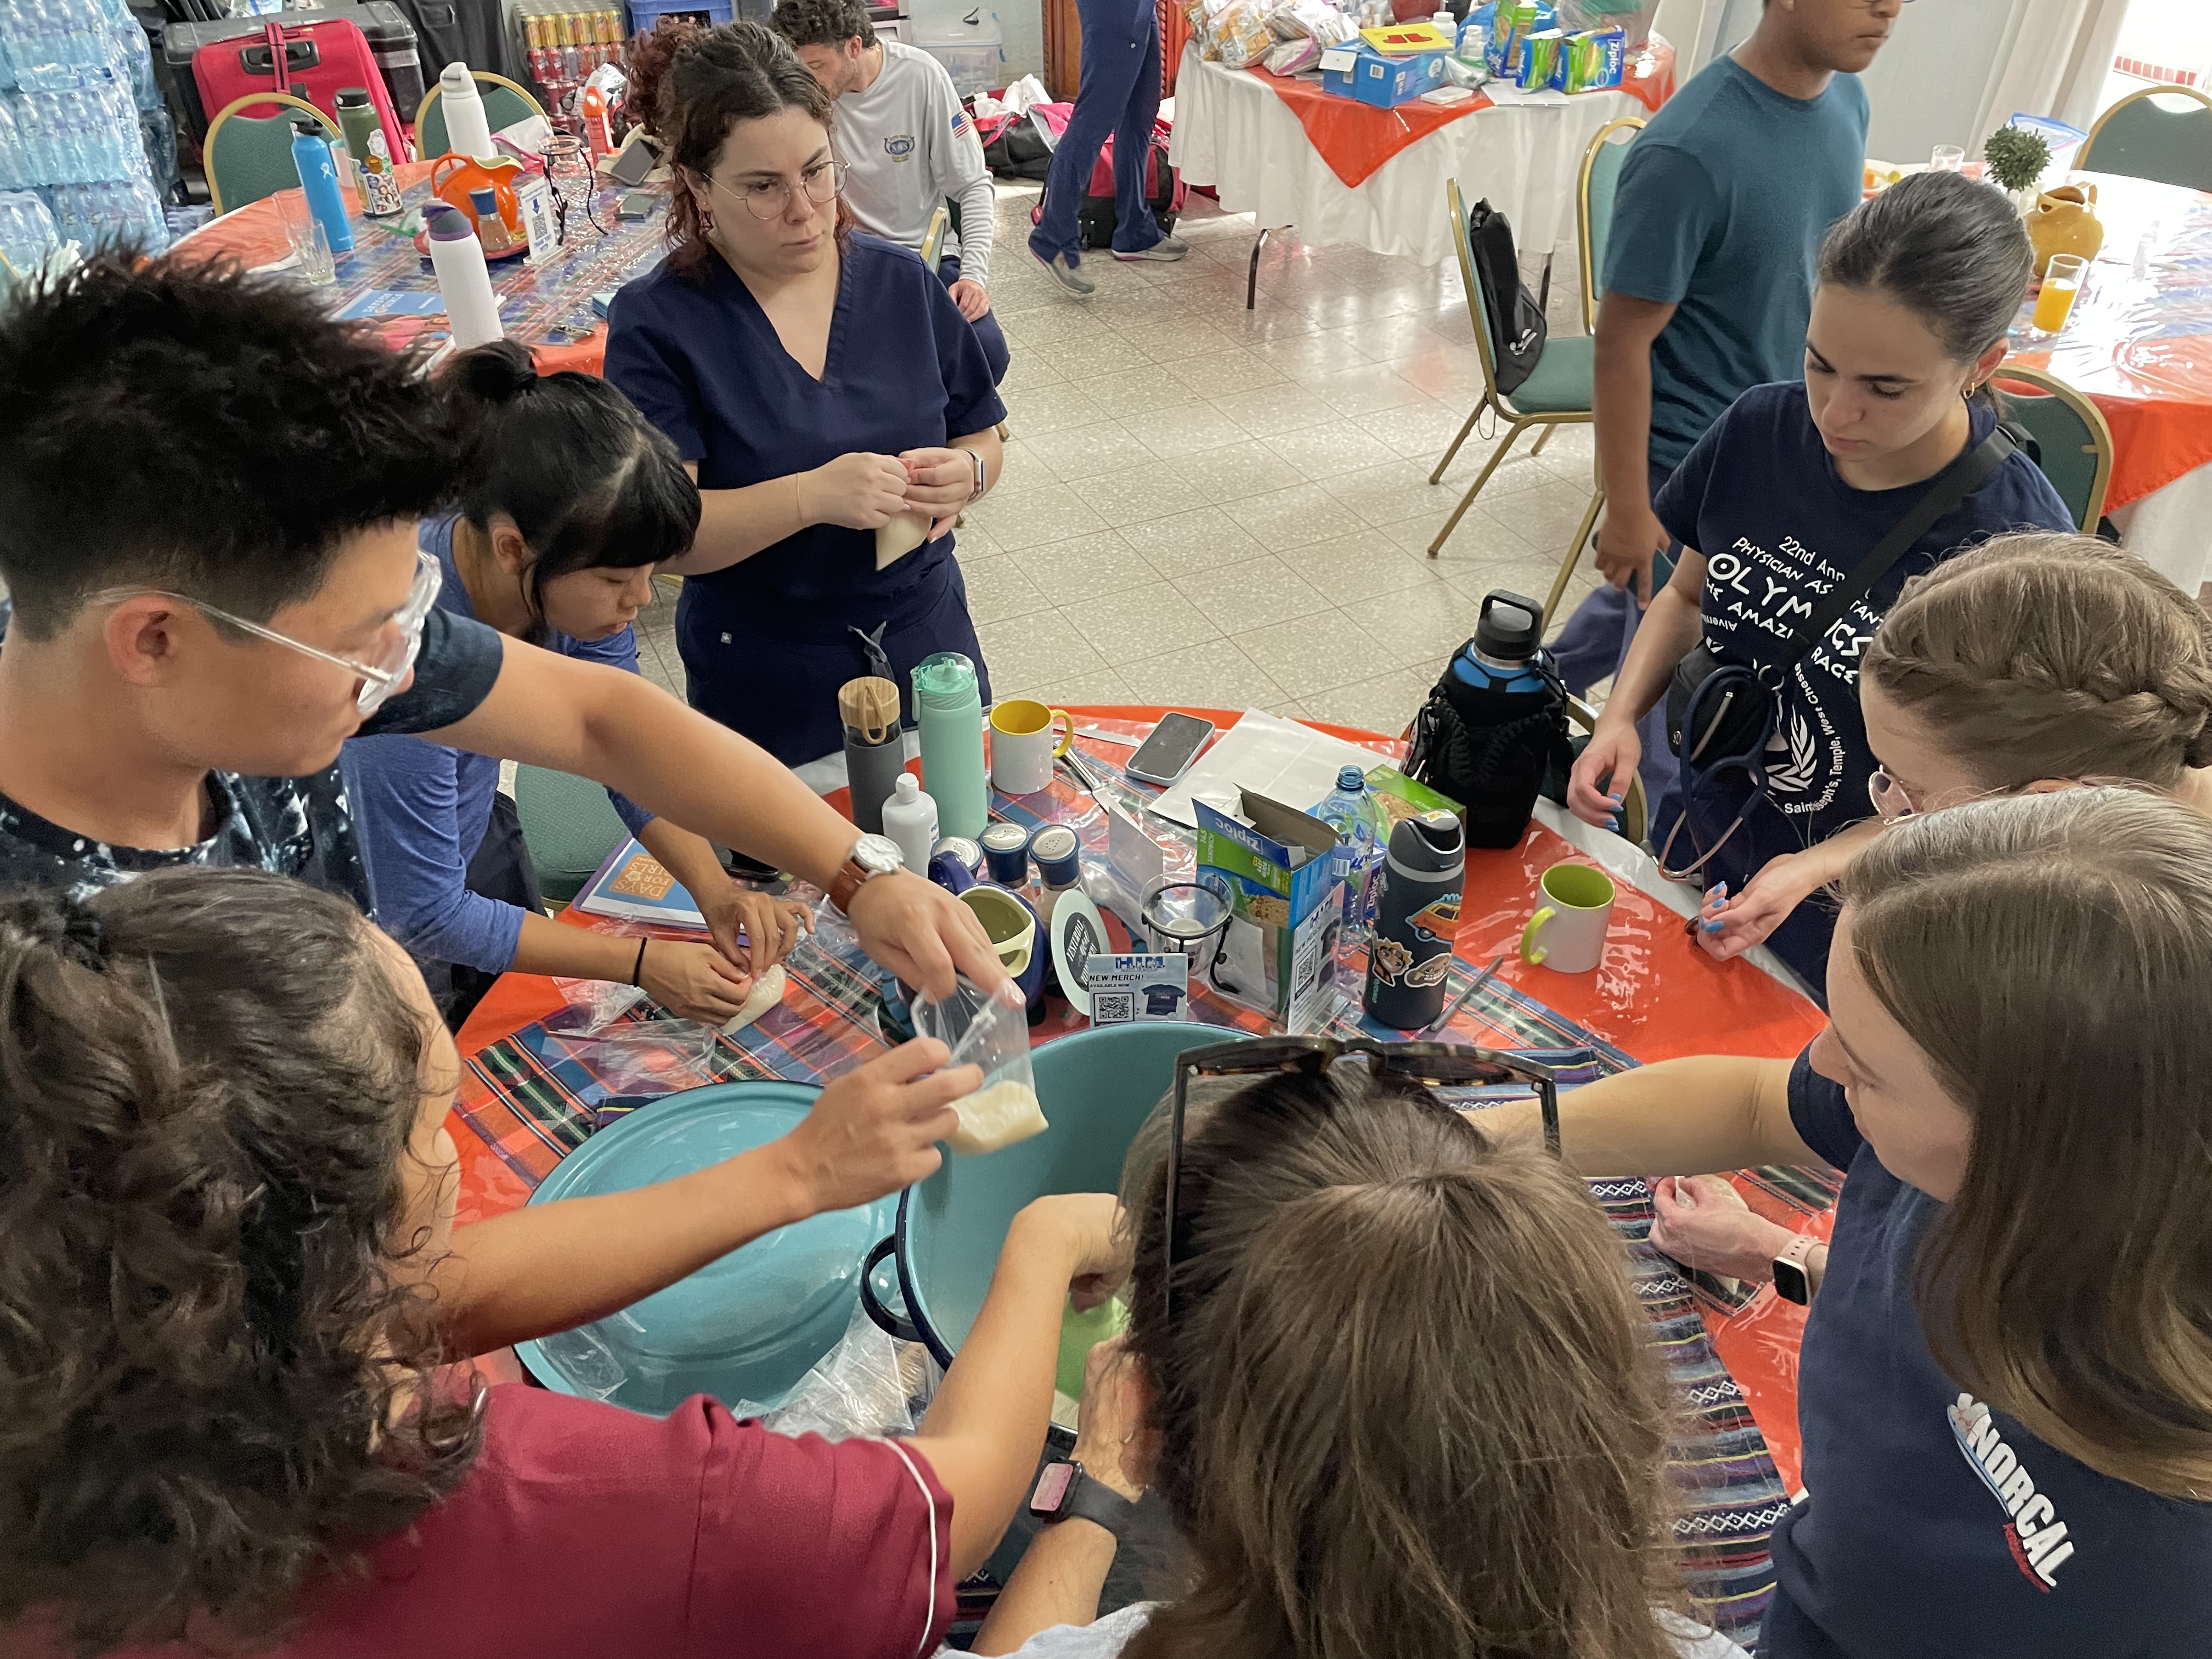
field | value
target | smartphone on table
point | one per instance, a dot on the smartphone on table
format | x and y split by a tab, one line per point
1167	754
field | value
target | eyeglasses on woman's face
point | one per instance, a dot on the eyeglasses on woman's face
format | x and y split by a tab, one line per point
767	196
1889	796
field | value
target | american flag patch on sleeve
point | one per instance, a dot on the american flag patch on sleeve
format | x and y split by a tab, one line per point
961	124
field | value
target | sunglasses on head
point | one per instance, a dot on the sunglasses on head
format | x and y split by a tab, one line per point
1437	1064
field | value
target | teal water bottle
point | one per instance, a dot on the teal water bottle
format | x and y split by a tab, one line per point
949	709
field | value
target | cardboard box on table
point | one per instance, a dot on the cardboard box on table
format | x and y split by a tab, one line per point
1280	948
1356	69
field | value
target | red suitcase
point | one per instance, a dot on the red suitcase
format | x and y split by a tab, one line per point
313	61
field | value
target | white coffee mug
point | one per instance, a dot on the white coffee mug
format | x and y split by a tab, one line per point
1024	742
1567	932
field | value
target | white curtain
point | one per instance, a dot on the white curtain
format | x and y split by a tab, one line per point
2055	64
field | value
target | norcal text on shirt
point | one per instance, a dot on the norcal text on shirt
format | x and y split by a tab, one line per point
2033	1533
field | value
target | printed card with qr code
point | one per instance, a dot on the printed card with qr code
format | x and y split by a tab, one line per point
1127	990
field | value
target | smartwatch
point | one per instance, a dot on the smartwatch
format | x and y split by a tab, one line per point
872	856
1791	1282
1065	1493
983	475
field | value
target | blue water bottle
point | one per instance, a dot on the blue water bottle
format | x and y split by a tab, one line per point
319	178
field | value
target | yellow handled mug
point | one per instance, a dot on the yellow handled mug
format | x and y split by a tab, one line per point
1026	737
1567	932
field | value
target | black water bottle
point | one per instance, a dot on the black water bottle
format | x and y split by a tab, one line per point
1416	914
1495	722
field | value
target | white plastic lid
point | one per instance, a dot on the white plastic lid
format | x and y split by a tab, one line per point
909	787
456	77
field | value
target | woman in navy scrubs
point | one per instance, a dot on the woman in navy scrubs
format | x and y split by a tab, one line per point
818	382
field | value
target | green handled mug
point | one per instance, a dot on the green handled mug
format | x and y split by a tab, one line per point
1567	932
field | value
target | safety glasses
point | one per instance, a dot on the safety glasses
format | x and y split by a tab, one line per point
379	679
1437	1065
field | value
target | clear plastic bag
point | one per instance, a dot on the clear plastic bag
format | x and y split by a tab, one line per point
865	1385
992	1034
648	1056
593	1004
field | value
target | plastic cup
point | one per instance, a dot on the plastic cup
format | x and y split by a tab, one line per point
1946	158
2062	285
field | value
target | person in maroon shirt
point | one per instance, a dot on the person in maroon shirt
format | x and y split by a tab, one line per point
228	1188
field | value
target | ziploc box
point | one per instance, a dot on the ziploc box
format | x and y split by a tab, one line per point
1513	22
1542	65
1595	60
1289	907
1361	72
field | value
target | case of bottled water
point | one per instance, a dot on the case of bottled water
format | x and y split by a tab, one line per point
83	125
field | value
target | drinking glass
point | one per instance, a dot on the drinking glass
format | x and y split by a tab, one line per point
2061	284
317	265
1946	158
293	212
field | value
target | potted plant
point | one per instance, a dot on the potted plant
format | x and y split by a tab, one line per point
2016	159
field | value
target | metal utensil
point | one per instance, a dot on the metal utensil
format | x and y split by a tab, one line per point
1463	998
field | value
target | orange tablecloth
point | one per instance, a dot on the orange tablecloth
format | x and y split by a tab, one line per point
254	235
1355	139
2142	348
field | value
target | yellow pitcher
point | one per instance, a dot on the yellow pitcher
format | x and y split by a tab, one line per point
2064	221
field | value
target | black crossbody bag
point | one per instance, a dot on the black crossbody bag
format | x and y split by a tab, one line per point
1722	714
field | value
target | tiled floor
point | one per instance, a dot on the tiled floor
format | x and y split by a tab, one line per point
1209	506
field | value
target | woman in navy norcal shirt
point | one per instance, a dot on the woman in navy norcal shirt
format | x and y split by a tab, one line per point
1791	489
2005	1391
571	500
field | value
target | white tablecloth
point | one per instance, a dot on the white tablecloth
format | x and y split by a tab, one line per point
1233	133
2171	529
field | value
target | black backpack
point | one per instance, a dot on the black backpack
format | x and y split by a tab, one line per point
1516	319
1017	150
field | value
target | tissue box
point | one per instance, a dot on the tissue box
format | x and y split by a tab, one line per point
1289	907
1594	59
1363	73
1133	990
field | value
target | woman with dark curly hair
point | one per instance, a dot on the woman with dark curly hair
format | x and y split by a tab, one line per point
821	385
227	1203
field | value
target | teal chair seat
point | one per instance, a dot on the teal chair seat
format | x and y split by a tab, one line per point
568	825
1562	378
2139	139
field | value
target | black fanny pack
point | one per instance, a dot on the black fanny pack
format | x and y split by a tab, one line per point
1718	710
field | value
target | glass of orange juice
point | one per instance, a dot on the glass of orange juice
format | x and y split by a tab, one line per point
2062	283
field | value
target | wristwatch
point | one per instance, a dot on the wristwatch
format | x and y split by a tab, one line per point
983	475
1791	1282
872	856
1065	1493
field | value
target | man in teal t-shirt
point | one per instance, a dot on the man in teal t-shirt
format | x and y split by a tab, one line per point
1708	280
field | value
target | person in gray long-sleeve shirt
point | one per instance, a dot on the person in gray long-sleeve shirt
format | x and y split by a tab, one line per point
907	144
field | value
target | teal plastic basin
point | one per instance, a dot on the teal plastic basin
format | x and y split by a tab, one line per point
1097	1088
744	1328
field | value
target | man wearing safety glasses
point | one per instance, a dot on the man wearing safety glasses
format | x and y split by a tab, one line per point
208	497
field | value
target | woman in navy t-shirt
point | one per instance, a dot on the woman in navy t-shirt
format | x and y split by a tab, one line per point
820	383
2005	1391
1796	484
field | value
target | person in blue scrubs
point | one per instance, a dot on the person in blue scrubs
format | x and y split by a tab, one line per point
820	384
2005	1391
571	501
1118	95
